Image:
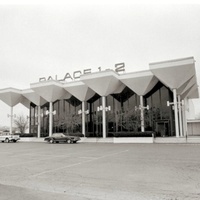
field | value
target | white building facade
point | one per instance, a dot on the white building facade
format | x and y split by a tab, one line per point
111	104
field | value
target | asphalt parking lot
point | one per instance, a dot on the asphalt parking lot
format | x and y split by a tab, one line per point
90	171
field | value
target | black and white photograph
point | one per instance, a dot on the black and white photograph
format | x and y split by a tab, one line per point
99	100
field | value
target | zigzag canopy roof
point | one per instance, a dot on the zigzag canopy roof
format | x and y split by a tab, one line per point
177	74
104	82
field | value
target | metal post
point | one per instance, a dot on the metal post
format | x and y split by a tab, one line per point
83	118
50	118
184	119
176	112
39	119
11	119
180	116
142	113
104	115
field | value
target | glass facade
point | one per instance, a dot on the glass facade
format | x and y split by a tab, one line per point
159	117
123	117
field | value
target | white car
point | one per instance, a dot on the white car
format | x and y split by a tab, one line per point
7	137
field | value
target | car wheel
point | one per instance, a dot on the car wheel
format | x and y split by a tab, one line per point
7	140
51	141
69	141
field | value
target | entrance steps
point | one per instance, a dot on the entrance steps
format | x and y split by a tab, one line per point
119	140
104	140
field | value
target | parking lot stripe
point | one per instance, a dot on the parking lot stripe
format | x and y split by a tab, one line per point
87	157
36	160
79	163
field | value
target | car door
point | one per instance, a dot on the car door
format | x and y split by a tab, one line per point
62	138
2	137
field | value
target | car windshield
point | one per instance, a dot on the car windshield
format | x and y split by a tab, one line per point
58	135
5	133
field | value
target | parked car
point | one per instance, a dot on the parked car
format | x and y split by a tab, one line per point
7	137
60	137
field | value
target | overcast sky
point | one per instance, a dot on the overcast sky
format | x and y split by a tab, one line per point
42	40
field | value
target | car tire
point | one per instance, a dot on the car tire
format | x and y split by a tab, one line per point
69	141
51	141
7	140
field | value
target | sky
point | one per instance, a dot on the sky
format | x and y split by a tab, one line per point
47	39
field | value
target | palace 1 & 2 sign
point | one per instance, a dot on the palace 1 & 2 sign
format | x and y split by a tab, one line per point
120	67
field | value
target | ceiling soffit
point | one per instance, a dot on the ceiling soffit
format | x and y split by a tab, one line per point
186	85
194	94
24	101
140	82
103	83
32	96
174	73
80	90
66	95
119	89
192	81
10	96
191	92
49	90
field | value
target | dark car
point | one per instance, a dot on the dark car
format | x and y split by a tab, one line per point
60	137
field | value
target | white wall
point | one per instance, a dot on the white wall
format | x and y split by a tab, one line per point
193	128
190	109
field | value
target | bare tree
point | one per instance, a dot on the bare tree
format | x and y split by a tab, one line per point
21	123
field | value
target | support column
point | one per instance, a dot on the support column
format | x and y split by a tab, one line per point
185	110
142	113
176	112
104	115
39	119
184	120
50	118
180	116
11	119
83	118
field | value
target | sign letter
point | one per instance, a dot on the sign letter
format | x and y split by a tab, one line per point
67	75
120	67
42	79
49	78
87	71
77	76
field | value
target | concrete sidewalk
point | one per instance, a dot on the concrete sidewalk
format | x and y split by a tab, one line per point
124	140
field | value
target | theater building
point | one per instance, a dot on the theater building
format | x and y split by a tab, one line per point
111	103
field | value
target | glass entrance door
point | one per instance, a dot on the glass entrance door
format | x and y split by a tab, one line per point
162	128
